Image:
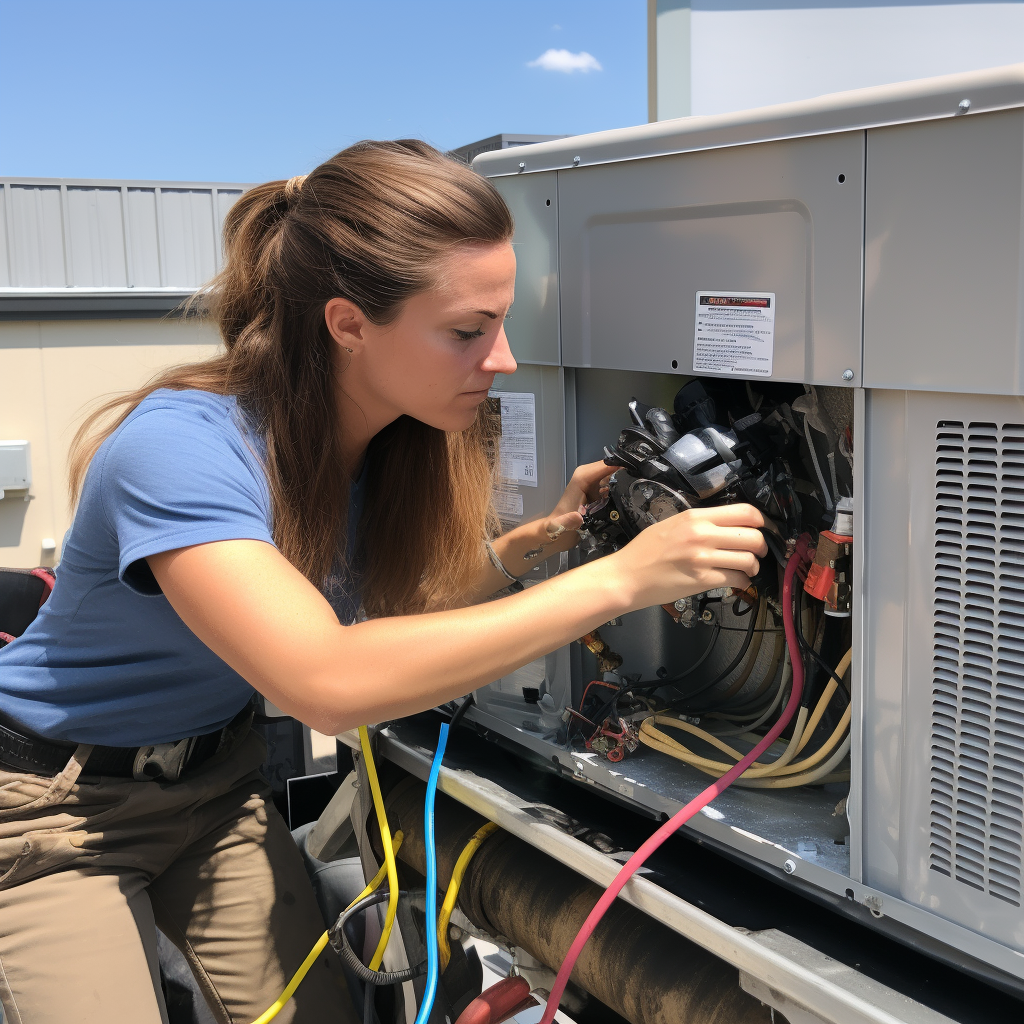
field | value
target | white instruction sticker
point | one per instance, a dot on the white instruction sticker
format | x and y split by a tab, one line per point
734	333
508	503
518	437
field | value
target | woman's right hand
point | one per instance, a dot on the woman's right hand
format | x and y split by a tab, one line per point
697	550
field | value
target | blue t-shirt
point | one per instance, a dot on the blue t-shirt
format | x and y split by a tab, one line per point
108	660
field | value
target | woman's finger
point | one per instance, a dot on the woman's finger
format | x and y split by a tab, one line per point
741	538
592	473
557	525
740	561
732	515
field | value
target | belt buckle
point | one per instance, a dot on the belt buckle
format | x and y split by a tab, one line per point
163	761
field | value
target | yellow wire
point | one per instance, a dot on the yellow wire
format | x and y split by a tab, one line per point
321	944
389	853
459	872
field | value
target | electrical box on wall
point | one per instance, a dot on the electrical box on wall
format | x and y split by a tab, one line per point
15	467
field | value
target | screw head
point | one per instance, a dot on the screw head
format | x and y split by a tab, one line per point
522	165
847	374
963	106
575	161
707	615
789	867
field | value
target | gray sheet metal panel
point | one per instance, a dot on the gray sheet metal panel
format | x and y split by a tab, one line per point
982	749
923	100
637	240
92	235
504	697
532	328
36	236
883	535
916	818
943	267
189	235
95	242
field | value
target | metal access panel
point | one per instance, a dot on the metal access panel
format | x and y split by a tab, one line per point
515	699
942	286
532	327
943	764
639	238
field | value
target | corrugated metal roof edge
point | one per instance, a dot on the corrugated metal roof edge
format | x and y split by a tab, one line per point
91	303
875	107
124	182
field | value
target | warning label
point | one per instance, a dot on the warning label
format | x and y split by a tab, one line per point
734	333
518	448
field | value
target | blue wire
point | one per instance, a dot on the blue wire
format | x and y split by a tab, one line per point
433	960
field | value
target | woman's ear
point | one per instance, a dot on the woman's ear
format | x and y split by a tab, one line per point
346	323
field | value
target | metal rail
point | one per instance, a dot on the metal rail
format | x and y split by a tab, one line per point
798	980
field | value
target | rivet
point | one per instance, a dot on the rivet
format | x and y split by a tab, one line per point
847	374
963	106
522	165
789	867
613	516
575	161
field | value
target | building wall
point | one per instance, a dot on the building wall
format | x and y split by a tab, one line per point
716	56
51	373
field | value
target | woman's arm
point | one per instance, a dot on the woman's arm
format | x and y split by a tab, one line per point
250	606
525	547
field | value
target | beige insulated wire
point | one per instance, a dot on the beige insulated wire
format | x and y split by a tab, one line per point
803	729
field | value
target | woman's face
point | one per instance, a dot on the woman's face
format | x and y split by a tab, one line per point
437	361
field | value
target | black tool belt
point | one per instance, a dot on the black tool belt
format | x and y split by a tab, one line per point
164	761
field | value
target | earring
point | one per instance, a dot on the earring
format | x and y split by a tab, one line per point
346	348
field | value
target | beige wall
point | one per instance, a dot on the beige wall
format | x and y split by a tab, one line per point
51	372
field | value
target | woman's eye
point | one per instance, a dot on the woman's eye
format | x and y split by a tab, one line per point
467	335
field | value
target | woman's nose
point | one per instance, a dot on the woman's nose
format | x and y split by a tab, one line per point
500	358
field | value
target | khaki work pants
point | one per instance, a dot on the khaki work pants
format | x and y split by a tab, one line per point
90	866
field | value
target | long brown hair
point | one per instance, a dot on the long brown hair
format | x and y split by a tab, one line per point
371	225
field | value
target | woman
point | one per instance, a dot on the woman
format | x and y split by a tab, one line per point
229	524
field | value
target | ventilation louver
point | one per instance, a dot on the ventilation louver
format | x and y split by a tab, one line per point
977	728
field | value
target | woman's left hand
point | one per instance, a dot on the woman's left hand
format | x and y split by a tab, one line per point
588	483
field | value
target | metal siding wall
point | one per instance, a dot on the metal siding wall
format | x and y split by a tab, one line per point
96	254
82	234
36	234
5	264
144	238
189	240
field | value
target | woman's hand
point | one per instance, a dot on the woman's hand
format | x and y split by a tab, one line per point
697	550
588	483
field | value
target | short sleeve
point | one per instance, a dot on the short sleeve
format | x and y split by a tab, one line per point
174	475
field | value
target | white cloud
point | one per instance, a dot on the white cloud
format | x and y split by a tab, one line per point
566	62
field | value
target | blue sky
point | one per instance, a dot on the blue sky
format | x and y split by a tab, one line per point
248	90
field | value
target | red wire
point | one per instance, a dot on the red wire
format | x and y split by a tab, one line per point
715	789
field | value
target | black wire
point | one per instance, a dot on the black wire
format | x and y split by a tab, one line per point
729	669
460	711
808	649
736	629
654	684
822	664
341	943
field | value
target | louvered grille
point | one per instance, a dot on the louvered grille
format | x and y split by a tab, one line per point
977	730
